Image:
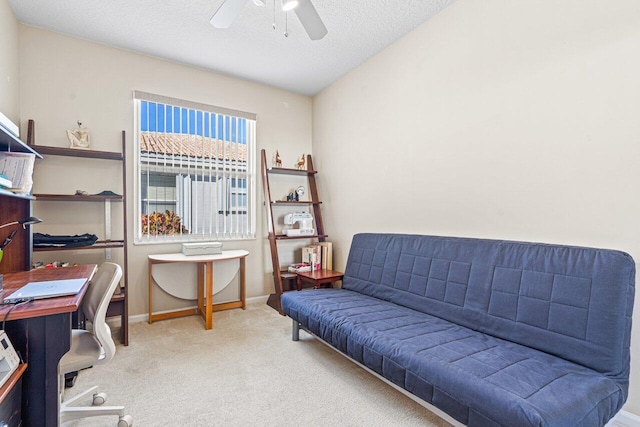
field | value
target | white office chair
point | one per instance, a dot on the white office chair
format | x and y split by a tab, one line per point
95	347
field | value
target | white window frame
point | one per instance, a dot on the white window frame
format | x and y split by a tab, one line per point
224	170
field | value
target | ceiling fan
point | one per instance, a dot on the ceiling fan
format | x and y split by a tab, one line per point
307	14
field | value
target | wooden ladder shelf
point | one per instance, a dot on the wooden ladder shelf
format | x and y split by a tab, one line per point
284	281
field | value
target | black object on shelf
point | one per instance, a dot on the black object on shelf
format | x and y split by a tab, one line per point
41	240
107	193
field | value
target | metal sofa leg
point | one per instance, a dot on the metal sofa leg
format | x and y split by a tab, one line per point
295	331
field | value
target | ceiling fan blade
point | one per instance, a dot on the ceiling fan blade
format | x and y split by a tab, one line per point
227	13
310	20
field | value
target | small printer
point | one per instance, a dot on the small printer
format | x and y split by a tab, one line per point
9	359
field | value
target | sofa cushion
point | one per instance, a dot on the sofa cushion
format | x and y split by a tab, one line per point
572	302
476	378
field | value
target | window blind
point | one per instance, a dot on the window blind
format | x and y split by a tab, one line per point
196	171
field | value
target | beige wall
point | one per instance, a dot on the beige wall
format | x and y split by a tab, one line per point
497	118
9	76
65	79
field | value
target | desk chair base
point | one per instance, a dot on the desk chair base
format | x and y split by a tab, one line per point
69	413
95	347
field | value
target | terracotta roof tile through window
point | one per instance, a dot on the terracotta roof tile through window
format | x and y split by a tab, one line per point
197	146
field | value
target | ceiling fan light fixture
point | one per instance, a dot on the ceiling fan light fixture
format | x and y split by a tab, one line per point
288	5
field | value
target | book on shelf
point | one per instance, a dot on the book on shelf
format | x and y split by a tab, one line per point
319	256
299	268
327	255
18	168
311	255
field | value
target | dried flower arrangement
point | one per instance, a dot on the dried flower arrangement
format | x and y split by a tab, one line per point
167	223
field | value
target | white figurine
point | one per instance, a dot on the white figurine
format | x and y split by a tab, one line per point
79	138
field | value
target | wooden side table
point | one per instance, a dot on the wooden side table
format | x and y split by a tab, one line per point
206	307
318	277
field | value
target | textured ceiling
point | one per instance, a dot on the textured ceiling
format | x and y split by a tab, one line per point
180	31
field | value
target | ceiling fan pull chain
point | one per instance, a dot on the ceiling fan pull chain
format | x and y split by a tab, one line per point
274	14
286	24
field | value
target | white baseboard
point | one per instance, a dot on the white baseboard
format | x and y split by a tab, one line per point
258	300
133	319
624	419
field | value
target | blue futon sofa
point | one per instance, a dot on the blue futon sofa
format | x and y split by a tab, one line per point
493	333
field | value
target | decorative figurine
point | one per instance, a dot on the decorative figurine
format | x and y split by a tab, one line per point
79	138
278	162
300	164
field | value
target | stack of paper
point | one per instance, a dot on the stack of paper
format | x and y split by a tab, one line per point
299	268
18	169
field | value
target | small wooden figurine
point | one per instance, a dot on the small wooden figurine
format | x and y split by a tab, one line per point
300	164
278	162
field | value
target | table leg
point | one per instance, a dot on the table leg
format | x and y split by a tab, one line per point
209	295
243	283
205	307
201	283
150	292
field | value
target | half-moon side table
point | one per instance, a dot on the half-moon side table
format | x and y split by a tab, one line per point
205	307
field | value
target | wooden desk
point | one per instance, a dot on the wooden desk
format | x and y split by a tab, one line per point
206	307
41	331
318	277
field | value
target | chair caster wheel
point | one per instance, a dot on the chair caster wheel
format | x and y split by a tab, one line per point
125	421
99	399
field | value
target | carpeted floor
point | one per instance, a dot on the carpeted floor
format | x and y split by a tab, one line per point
246	371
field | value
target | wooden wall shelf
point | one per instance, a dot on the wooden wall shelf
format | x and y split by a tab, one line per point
282	202
77	152
286	171
285	237
76	197
119	304
100	244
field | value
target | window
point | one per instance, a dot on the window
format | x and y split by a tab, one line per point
195	171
